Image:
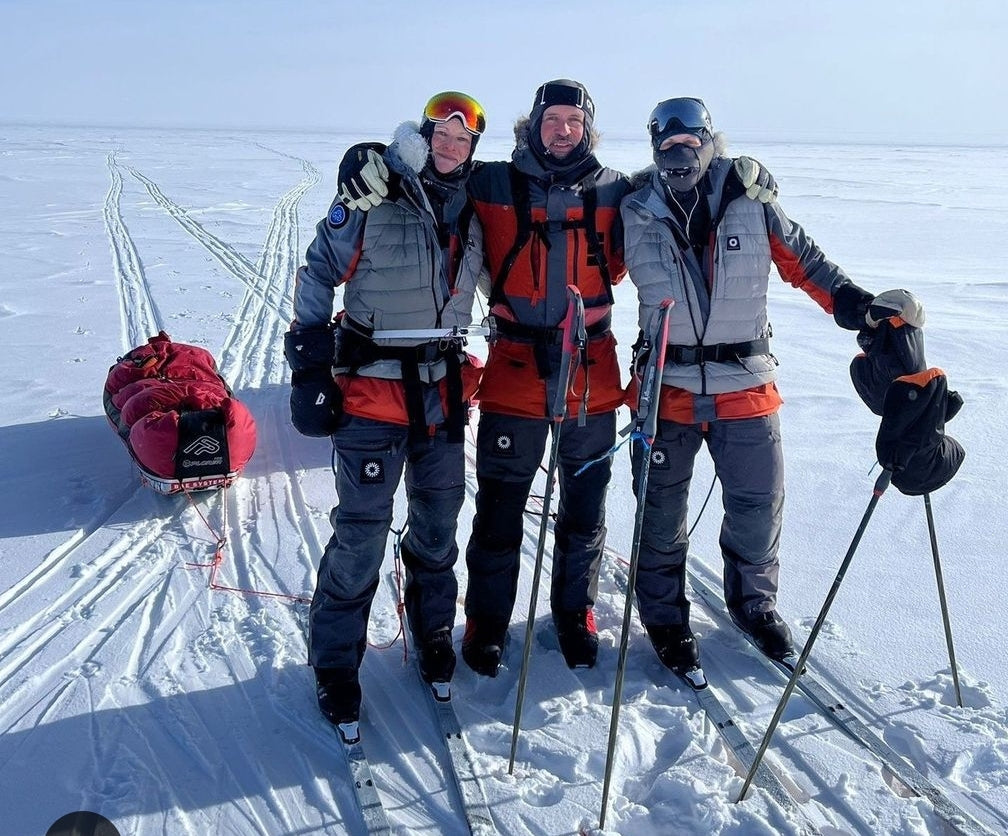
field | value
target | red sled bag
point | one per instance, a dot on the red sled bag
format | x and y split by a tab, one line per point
178	417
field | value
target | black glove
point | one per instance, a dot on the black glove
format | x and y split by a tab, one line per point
316	402
310	348
364	179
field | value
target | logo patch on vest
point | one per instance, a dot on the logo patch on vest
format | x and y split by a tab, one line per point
734	244
504	445
338	216
372	472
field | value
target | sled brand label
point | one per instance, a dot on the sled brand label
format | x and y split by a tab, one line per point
734	244
202	446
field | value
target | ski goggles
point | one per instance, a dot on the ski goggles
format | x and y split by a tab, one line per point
564	93
451	105
685	115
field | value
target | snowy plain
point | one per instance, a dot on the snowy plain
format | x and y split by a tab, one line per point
130	688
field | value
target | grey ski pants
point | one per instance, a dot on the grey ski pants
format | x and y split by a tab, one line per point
749	463
370	459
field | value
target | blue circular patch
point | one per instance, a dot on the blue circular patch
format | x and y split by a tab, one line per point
338	215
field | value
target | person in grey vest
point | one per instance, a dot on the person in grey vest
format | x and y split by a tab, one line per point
389	380
691	236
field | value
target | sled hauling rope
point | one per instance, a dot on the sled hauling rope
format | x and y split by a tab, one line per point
645	430
575	340
218	557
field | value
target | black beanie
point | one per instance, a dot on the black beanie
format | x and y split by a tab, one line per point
561	91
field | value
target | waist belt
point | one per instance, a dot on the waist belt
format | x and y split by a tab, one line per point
694	355
420	365
545	335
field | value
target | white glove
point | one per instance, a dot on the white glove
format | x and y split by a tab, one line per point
901	303
365	189
757	181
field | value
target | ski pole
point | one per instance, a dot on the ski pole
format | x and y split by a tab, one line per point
646	429
574	339
941	598
880	486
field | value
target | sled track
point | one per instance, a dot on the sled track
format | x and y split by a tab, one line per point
138	311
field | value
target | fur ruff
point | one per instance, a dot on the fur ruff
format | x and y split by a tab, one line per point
410	146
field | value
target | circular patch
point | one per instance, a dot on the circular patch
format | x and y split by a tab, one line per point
734	243
504	443
338	216
83	823
657	457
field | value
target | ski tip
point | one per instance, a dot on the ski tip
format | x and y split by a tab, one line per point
694	677
349	732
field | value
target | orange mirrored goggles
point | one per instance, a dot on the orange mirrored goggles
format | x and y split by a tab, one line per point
445	106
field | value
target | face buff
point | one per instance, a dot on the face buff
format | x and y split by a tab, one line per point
683	166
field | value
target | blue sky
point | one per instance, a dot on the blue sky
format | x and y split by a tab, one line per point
849	69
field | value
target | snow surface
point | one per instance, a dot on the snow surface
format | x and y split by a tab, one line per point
130	688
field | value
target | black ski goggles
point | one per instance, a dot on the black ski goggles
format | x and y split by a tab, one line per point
558	93
451	105
684	115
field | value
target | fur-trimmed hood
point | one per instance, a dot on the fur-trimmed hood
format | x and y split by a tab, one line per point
521	135
409	147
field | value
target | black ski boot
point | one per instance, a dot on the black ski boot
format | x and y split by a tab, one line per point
768	632
676	646
436	657
578	637
483	646
339	699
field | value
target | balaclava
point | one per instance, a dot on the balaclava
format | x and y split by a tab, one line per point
681	167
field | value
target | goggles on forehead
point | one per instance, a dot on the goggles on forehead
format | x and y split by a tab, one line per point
556	93
449	105
688	114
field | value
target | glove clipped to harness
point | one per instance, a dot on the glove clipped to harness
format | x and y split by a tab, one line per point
893	379
316	401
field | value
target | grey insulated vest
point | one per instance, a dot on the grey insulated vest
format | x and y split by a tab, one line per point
401	279
722	301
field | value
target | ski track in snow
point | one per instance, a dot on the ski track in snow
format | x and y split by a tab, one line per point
217	681
138	313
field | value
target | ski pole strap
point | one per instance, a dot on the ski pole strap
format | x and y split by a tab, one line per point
574	347
608	454
693	355
655	343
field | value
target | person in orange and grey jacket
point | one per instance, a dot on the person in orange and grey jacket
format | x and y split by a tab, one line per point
392	386
551	219
689	236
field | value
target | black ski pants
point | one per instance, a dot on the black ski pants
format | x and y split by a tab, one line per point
509	451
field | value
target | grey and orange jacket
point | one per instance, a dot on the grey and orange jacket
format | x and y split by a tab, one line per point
395	274
719	323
